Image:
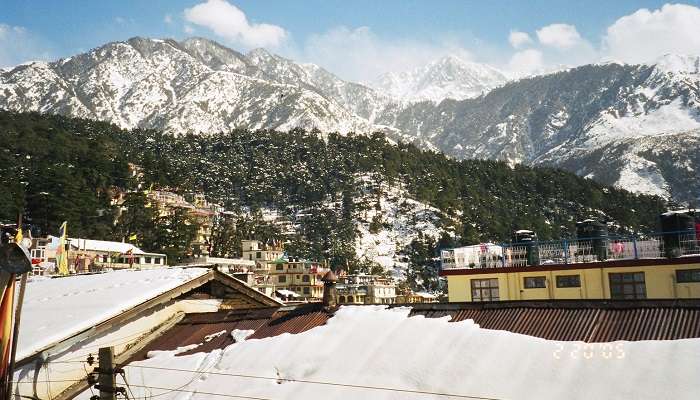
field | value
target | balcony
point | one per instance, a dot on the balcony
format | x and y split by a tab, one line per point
573	251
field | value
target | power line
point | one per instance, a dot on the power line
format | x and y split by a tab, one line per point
348	385
169	390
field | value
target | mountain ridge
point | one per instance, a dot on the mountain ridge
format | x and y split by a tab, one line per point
558	119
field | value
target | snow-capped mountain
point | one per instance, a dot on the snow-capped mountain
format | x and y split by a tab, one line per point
635	126
191	86
600	121
447	78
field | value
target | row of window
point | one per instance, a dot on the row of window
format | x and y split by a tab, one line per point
628	285
283	278
134	260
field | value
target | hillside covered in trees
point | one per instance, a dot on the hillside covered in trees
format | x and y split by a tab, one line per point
57	168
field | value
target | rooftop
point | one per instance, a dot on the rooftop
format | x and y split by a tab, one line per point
455	349
585	252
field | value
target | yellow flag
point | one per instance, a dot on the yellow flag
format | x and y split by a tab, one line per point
19	236
61	252
132	237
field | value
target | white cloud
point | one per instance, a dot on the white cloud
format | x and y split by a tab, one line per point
168	19
358	54
230	23
17	45
526	62
645	35
518	39
559	36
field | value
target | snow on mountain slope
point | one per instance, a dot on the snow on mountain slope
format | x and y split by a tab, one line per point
668	118
190	86
447	78
197	85
391	223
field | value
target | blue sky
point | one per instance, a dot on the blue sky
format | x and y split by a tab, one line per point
357	39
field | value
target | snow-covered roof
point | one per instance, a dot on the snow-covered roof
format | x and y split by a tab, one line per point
56	309
100	246
285	292
378	353
106	246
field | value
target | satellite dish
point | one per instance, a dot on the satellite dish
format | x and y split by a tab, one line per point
14	259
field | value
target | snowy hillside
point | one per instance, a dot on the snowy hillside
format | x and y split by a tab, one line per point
392	222
447	78
197	85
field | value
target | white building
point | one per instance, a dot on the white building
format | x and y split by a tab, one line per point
484	255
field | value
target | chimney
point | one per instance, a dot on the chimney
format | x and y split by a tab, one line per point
329	291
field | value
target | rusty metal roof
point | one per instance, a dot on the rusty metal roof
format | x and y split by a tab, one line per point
570	320
588	321
266	322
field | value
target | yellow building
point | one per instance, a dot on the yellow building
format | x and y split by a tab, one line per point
624	279
300	277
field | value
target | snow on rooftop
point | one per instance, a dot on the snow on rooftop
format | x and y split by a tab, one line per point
104	246
375	346
56	309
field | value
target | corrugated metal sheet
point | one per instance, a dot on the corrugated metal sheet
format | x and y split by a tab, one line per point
266	322
588	321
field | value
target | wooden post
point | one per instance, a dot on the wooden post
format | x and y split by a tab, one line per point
106	381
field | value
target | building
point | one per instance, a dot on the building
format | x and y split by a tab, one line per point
260	252
202	212
177	327
67	319
662	266
87	255
365	289
298	276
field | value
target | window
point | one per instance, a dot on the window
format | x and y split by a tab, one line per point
157	260
628	286
485	289
535	282
257	254
688	275
282	279
105	259
341	299
306	290
279	267
148	260
566	281
305	278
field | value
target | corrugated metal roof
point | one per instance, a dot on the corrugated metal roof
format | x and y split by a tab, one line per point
266	322
588	321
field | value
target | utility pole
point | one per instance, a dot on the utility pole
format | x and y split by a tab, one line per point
107	382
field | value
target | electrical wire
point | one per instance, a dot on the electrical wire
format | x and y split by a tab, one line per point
326	383
169	390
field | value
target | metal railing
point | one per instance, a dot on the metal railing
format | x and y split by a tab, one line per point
575	251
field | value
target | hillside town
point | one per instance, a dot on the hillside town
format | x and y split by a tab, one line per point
375	200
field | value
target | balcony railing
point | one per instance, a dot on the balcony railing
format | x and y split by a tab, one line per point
575	251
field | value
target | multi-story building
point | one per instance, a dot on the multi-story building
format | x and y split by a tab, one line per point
299	276
262	253
198	208
655	266
365	289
